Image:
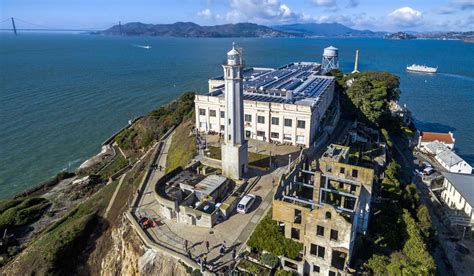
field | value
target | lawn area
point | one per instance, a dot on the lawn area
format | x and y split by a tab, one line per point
118	163
256	160
182	148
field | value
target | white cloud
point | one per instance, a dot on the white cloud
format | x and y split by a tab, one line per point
260	11
405	17
207	14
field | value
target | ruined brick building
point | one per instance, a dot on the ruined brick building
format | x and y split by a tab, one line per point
324	205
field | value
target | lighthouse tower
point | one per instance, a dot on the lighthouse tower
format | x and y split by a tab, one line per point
234	149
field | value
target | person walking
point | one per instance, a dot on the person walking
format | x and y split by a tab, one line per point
207	246
185	245
222	250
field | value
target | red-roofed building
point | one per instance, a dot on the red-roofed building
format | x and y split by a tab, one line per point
427	137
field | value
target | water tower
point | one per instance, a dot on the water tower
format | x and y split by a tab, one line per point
330	59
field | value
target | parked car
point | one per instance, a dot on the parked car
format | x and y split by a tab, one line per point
245	203
426	164
428	171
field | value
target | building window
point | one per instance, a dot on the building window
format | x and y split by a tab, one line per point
222	114
332	273
342	170
229	137
212	113
275	121
334	235
317	250
275	135
290	265
328	215
320	230
248	134
300	138
355	173
248	118
353	188
202	125
288	122
295	233
301	124
316	269
260	119
297	218
222	127
287	137
229	121
260	133
202	111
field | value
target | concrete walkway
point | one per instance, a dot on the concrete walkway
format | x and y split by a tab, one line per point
235	231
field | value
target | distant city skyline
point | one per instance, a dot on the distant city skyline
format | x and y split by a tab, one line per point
404	15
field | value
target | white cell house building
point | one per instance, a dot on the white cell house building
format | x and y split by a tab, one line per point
458	192
447	158
282	105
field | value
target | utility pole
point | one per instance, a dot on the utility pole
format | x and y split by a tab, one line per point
14	27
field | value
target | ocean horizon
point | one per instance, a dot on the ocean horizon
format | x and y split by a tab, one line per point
62	95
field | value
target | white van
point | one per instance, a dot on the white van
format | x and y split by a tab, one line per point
245	203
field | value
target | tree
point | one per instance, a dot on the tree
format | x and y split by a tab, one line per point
411	197
267	236
371	92
424	221
378	264
415	248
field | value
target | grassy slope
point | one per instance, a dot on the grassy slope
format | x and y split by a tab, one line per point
62	248
182	148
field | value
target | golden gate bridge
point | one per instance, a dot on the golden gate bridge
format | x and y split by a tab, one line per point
26	26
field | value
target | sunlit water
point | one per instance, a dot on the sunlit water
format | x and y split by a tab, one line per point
62	95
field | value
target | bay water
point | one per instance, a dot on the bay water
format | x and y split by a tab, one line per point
61	95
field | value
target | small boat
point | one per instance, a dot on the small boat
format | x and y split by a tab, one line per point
422	68
143	46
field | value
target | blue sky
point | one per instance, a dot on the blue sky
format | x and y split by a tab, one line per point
384	15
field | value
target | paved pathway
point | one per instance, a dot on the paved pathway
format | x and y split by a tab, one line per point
111	202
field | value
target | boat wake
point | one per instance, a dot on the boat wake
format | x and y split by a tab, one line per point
142	46
457	76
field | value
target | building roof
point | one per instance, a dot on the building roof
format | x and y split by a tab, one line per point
449	158
464	184
437	136
436	147
295	83
209	184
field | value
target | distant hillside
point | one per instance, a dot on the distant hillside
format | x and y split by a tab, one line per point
189	29
325	29
399	35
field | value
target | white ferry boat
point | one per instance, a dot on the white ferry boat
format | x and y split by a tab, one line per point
422	68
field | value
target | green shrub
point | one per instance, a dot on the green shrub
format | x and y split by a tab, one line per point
282	272
267	236
23	213
251	267
424	222
269	260
9	203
